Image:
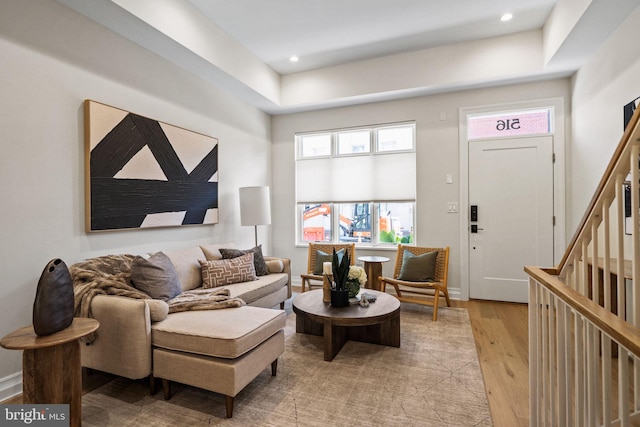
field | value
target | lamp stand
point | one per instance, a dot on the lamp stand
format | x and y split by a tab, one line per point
255	230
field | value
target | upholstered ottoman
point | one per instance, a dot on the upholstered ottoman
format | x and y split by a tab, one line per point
217	350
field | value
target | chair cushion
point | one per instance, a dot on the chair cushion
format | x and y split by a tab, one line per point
227	271
155	276
418	268
322	257
227	333
258	259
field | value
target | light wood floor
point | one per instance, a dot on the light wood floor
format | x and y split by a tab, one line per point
501	335
502	339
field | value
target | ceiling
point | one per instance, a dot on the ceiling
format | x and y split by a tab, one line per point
329	32
359	51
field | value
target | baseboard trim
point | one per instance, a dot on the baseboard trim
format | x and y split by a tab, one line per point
10	386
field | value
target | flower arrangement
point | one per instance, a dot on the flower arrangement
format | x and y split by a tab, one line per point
356	278
356	273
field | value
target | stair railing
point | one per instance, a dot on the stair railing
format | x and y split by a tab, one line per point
584	314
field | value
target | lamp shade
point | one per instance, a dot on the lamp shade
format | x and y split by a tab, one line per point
255	206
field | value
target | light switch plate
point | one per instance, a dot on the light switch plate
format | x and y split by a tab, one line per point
452	207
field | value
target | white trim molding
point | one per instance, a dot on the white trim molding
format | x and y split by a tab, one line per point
10	386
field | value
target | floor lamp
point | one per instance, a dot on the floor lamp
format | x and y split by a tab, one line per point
255	207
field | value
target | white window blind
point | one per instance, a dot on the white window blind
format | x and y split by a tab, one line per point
371	176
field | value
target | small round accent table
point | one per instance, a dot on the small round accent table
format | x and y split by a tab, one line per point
51	370
373	268
377	324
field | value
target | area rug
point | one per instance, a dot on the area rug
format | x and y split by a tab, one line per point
433	379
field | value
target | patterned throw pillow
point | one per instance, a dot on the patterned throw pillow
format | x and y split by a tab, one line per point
227	271
258	259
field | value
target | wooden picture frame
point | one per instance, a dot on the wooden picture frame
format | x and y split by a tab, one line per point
143	173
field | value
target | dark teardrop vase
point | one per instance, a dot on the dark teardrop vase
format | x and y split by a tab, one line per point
53	306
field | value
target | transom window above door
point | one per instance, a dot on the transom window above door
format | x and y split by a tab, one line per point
511	123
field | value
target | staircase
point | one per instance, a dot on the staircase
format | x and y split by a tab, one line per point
584	314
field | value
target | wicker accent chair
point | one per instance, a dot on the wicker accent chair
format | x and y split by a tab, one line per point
310	278
435	289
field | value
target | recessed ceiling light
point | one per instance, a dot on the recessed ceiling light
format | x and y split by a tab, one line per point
294	59
506	17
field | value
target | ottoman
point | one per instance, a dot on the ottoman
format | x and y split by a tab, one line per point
217	350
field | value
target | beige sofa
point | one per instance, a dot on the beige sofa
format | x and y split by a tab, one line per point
220	350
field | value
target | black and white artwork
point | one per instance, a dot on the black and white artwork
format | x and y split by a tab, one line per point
628	111
143	173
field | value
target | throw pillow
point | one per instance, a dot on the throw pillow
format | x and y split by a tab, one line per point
227	271
258	260
418	268
275	265
212	251
322	257
155	276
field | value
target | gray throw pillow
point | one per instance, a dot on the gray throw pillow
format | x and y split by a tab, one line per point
155	276
259	264
322	257
418	268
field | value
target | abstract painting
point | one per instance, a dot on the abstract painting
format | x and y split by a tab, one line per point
143	173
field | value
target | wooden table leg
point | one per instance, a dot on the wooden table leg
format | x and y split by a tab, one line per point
374	271
53	375
334	339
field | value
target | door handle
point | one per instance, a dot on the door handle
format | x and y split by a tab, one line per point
475	229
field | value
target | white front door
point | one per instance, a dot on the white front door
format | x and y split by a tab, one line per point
511	183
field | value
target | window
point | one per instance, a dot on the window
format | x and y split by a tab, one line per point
357	185
316	222
395	222
354	142
315	145
395	138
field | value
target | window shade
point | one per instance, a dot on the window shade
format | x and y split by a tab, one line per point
389	177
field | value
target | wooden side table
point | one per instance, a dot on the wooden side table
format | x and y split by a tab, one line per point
373	268
377	324
51	370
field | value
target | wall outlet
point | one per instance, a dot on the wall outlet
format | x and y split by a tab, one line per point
452	207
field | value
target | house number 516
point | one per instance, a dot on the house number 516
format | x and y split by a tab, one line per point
508	124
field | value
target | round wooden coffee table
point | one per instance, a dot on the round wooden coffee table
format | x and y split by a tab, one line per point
377	324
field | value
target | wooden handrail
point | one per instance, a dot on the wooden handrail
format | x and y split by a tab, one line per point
620	331
631	135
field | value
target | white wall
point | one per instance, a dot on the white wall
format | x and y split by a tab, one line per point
437	155
600	89
53	59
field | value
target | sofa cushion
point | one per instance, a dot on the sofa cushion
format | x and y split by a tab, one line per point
227	271
212	251
187	266
226	333
274	265
258	259
263	286
155	276
158	309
